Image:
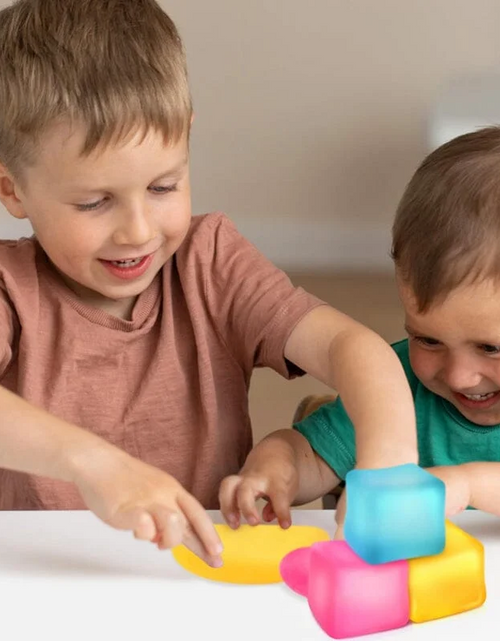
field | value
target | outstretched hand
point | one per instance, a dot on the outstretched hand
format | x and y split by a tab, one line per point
128	494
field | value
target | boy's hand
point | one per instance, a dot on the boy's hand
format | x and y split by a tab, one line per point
458	490
131	495
275	482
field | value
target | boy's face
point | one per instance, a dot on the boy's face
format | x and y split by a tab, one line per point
455	348
129	202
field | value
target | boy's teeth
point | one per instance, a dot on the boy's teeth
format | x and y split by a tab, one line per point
479	397
126	263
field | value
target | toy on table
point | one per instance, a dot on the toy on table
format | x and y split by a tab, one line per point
252	554
404	575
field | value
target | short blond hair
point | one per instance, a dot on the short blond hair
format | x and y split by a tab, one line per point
447	227
115	66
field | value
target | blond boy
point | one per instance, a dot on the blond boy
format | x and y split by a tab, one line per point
129	329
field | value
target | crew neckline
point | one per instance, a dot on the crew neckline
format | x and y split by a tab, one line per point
464	422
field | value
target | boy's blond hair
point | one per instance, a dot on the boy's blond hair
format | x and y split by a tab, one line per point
115	66
447	227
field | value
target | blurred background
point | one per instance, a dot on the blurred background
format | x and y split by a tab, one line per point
310	119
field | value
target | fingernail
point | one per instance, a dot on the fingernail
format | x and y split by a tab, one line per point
216	562
285	524
218	549
252	520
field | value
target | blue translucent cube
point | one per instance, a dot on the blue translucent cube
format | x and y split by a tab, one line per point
394	513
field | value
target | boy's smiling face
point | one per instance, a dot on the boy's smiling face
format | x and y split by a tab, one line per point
455	348
127	202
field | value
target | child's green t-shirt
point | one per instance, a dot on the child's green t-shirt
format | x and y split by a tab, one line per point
445	437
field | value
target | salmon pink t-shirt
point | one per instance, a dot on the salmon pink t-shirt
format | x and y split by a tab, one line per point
170	386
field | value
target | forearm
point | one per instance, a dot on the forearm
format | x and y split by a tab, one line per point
36	442
374	390
289	451
484	484
370	379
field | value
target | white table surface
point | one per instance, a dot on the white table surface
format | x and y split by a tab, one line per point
65	576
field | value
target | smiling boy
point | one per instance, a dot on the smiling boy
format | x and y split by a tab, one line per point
130	330
446	253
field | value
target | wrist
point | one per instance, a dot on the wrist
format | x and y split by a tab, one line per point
377	458
467	475
85	455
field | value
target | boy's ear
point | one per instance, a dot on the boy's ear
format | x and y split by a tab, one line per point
9	194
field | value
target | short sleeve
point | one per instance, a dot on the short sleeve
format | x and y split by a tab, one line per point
330	433
255	304
7	330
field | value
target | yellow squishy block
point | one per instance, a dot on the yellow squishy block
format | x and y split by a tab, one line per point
450	582
252	554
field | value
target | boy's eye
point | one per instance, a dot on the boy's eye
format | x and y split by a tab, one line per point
425	340
166	189
90	206
490	349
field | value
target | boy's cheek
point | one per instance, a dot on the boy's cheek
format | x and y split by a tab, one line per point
423	365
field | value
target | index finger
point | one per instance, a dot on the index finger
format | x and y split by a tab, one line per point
200	535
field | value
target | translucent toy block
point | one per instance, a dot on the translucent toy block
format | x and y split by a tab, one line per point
449	583
294	570
349	597
394	513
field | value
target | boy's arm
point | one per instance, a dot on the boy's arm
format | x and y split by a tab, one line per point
282	468
474	484
121	490
369	378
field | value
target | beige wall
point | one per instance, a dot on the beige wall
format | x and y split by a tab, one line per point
309	122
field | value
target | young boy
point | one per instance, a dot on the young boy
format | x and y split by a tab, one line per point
445	248
129	330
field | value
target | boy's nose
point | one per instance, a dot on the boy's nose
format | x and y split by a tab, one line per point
461	375
135	228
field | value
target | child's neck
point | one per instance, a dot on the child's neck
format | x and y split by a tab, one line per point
121	308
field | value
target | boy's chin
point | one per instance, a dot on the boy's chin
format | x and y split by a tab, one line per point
482	418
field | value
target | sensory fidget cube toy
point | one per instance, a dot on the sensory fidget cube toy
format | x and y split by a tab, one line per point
403	569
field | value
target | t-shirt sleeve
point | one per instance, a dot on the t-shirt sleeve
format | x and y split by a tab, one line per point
255	304
7	330
330	433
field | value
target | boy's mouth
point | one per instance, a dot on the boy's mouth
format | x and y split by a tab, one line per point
477	401
129	262
128	268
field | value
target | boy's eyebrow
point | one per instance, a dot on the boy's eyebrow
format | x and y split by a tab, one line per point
410	330
173	171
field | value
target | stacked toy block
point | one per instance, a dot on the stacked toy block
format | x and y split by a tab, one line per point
401	560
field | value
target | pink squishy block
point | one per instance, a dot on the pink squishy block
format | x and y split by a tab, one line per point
347	596
294	570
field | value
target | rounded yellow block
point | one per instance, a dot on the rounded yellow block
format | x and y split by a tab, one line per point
252	554
448	583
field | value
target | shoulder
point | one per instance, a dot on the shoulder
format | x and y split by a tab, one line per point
17	260
209	231
214	245
402	350
18	278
